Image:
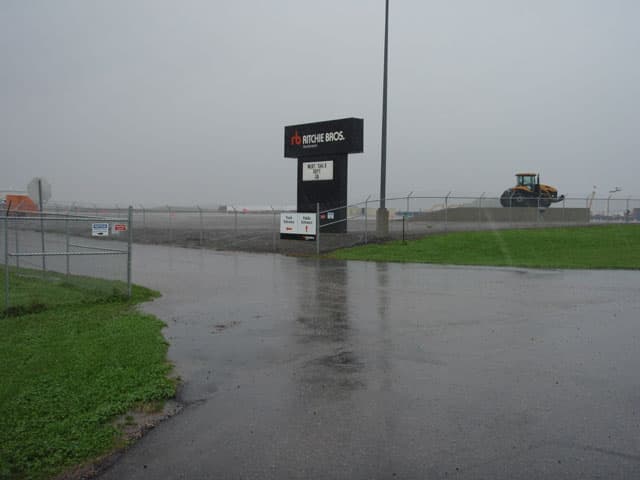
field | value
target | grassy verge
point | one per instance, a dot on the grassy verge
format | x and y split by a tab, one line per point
610	246
30	291
74	353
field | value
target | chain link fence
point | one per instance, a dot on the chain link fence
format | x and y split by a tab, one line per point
256	229
78	251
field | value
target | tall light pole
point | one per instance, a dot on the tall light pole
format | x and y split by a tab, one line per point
382	215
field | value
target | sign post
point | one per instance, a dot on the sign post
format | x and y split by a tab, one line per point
39	191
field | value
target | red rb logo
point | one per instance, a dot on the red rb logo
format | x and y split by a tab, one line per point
296	139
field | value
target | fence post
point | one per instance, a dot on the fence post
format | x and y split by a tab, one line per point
201	225
44	261
627	212
407	209
144	222
403	222
480	207
17	247
129	245
511	209
170	226
235	222
66	234
318	228
588	209
273	227
6	261
446	211
366	217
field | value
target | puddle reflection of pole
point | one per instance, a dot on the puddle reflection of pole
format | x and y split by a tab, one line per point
384	361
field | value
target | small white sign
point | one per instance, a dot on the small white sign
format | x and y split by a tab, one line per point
316	171
307	223
298	223
288	223
99	229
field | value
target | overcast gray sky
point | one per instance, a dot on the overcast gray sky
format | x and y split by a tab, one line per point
184	102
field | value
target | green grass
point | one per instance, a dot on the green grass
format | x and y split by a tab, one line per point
29	291
74	353
604	247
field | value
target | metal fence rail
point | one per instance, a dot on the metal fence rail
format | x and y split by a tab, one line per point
411	215
60	247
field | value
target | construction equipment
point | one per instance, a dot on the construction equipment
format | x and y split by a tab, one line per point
529	192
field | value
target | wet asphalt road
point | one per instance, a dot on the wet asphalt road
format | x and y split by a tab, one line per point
298	368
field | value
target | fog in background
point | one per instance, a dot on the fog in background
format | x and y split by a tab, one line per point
184	102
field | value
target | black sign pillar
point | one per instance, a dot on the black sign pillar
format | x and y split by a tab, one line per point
329	193
322	150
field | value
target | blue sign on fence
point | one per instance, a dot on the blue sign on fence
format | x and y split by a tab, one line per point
99	229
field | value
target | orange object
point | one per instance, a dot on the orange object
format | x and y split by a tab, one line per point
20	203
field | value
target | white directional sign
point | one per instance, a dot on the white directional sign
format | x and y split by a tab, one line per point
298	224
307	223
289	223
315	171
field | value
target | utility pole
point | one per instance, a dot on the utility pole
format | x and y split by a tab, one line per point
382	215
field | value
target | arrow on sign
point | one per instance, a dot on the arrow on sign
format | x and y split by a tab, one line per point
288	228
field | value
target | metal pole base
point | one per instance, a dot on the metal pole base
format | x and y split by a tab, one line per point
382	222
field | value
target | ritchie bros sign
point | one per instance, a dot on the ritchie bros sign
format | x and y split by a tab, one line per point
323	138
